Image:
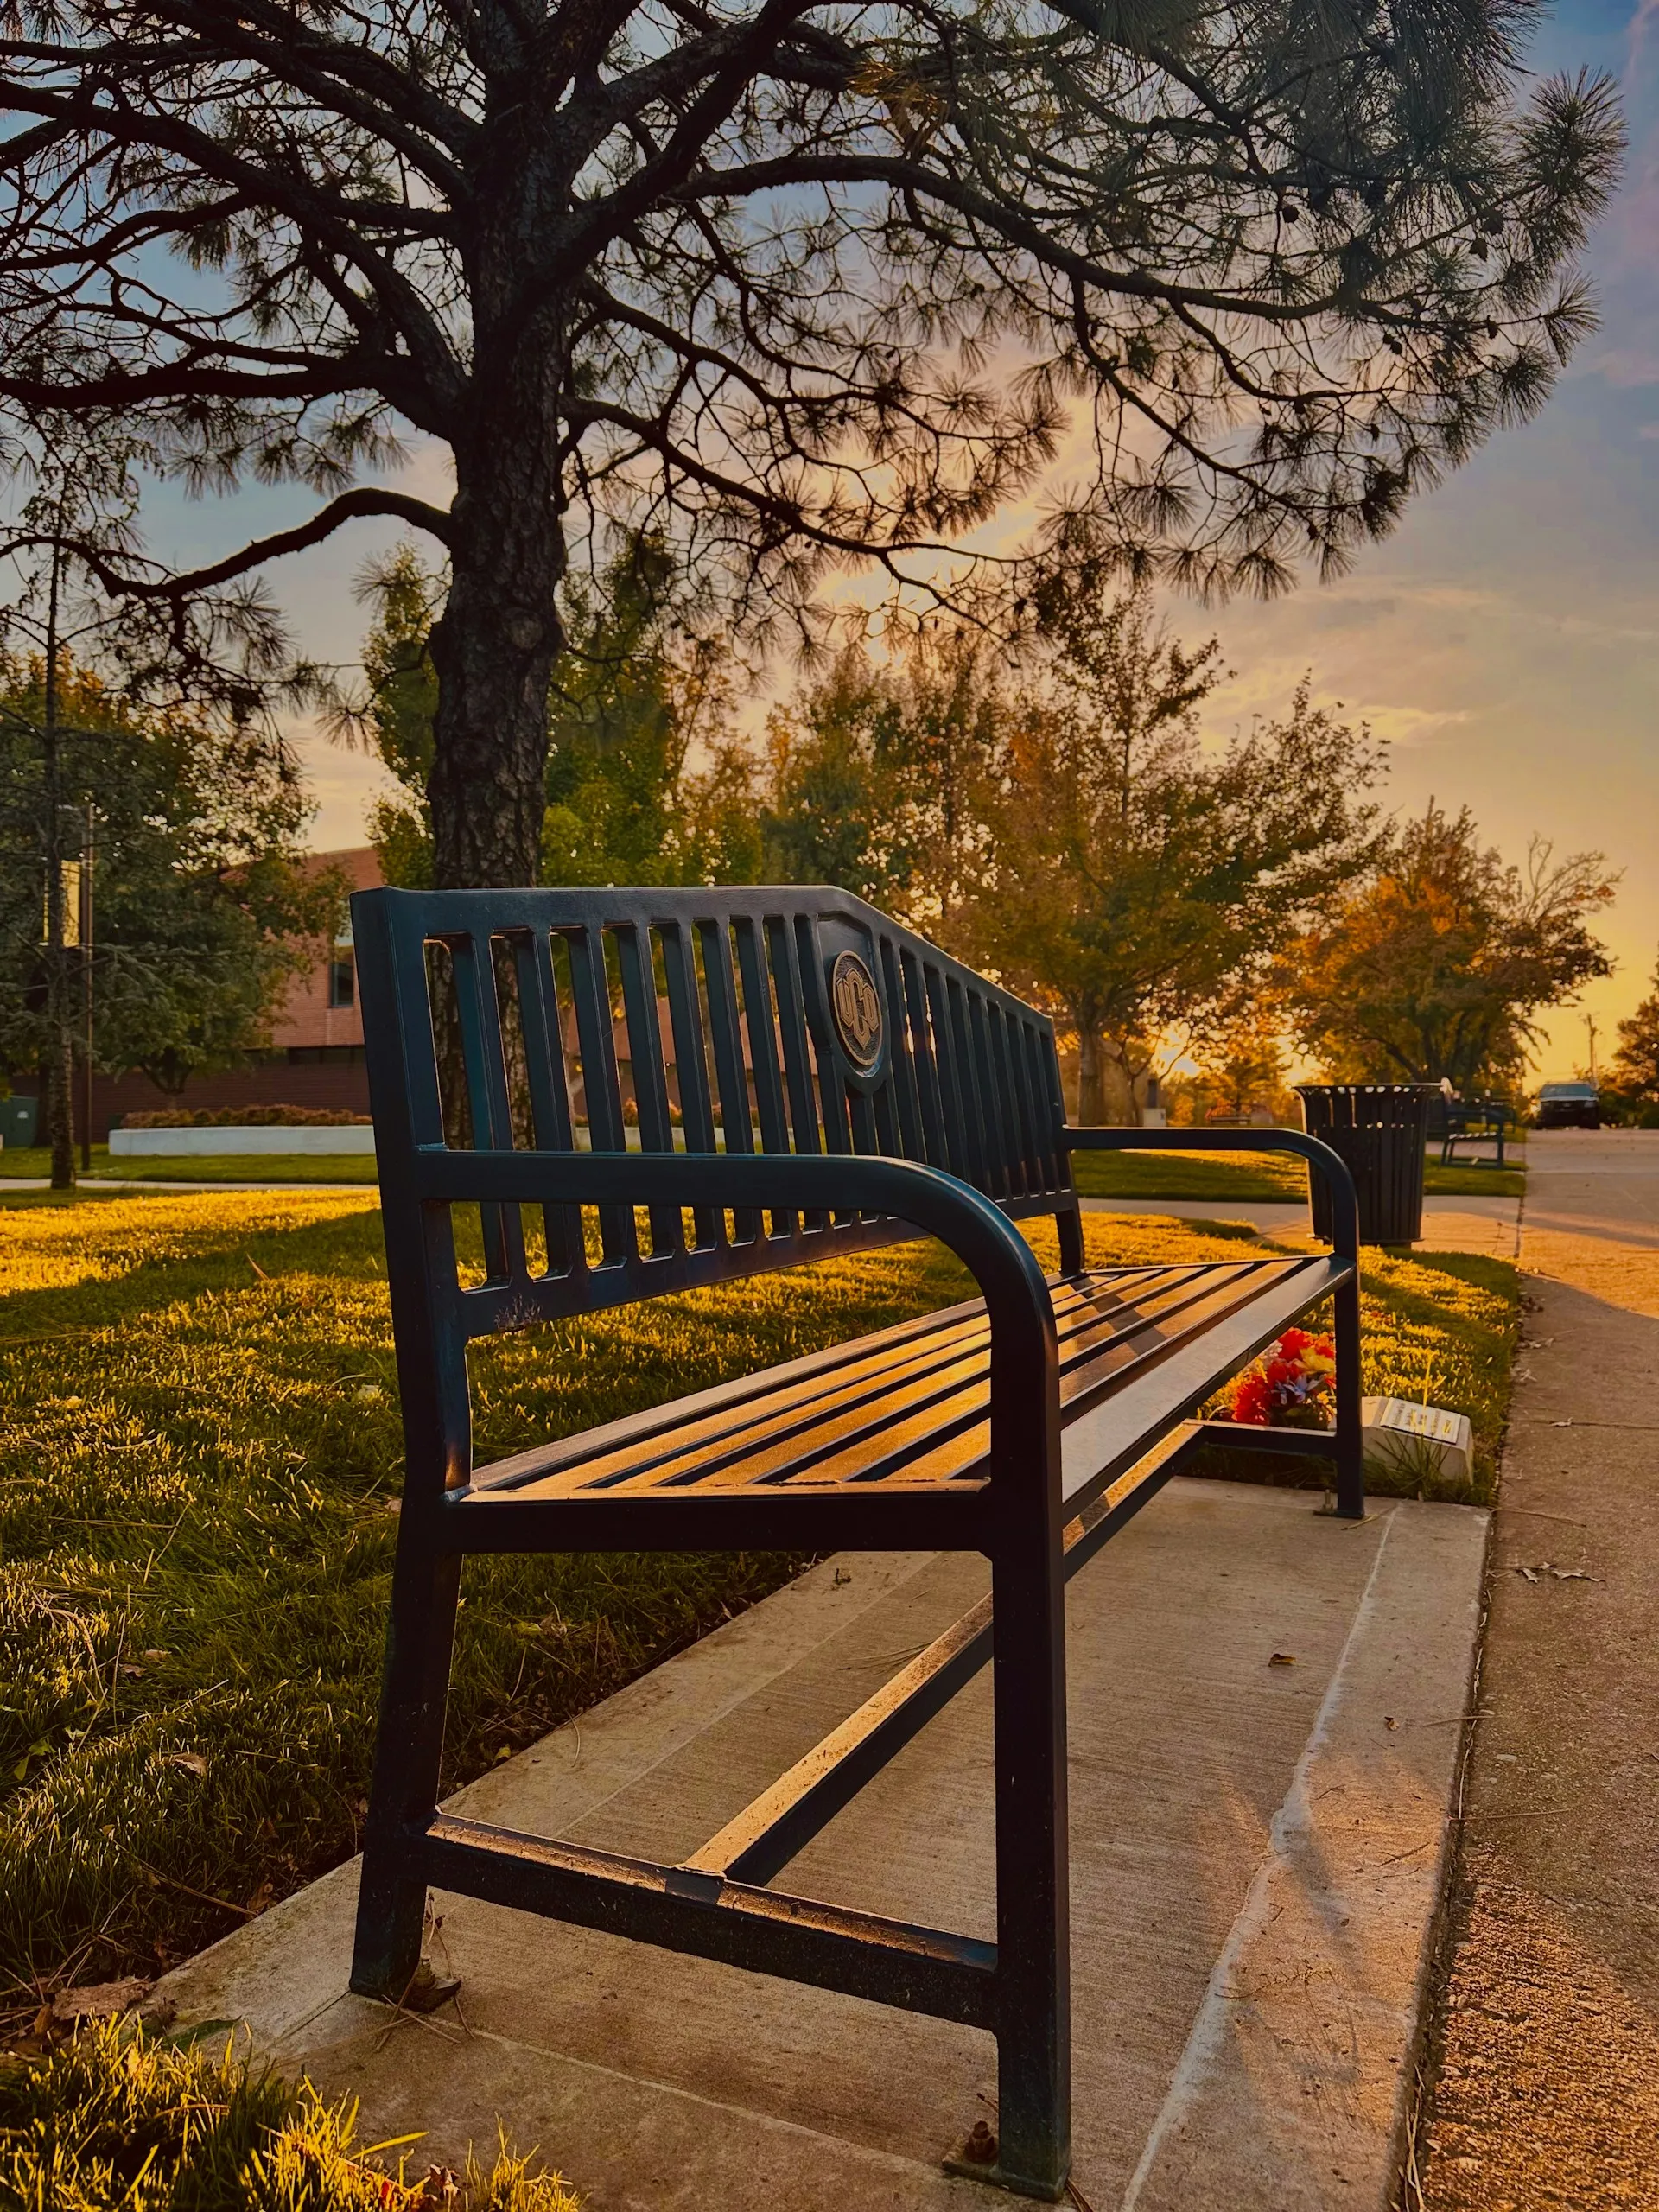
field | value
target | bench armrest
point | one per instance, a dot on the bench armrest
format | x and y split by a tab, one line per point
1344	1201
1025	1367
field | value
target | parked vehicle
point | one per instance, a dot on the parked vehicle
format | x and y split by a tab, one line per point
1569	1106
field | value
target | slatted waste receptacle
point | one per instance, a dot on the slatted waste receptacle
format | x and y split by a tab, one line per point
19	1121
1381	1130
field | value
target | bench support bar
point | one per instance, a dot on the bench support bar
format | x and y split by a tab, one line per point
715	1905
919	1969
763	1839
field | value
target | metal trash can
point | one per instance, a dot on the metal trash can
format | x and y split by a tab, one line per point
1381	1130
19	1120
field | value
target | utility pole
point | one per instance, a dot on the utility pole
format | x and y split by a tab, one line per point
61	1066
1590	1024
86	855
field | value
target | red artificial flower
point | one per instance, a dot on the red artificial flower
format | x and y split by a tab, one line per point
1252	1401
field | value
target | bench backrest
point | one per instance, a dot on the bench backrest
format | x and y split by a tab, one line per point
776	1020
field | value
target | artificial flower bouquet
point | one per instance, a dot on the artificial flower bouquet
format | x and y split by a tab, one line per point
1291	1386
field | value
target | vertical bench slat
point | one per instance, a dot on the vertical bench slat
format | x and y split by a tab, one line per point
1013	1031
474	968
607	1132
650	1078
1011	1143
823	1076
691	1067
550	1097
969	1093
759	1015
906	1096
987	1097
1042	1071
933	1147
726	1037
791	1034
958	1155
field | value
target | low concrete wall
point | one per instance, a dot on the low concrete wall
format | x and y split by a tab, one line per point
190	1144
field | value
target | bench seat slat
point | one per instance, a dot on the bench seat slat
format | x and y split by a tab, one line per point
908	1407
928	1372
805	1377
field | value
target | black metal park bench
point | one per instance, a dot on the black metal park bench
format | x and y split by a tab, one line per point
1473	1122
668	1089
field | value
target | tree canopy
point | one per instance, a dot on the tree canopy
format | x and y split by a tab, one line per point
876	776
644	781
199	888
1137	882
1636	1063
800	284
1437	968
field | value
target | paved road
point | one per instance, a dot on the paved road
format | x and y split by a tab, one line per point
1548	2085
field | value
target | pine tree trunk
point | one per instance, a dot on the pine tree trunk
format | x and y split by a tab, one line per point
1092	1077
60	1106
495	646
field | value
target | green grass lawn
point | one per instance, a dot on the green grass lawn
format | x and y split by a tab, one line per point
356	1168
1243	1180
199	1455
1461	1180
122	2122
1259	1179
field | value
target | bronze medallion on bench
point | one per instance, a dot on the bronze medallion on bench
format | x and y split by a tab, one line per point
857	1007
675	1088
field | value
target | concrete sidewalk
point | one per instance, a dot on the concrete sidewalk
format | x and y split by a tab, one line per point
1547	2090
1266	1707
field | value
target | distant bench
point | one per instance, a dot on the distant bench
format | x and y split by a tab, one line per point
1473	1122
807	1079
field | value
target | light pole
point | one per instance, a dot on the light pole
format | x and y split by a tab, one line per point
86	852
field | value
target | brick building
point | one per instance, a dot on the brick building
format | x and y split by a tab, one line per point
315	1053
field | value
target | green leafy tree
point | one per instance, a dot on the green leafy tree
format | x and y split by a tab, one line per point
798	286
1138	883
643	785
1241	1067
1437	967
80	497
876	775
1636	1063
201	895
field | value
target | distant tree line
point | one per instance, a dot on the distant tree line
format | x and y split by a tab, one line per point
1042	802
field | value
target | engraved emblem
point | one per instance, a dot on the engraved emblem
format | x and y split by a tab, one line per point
857	1009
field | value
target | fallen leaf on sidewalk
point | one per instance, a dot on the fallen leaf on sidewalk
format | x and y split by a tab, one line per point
1558	1573
99	2000
1283	1659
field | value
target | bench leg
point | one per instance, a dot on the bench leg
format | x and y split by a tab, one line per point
408	1748
1033	2024
1351	1433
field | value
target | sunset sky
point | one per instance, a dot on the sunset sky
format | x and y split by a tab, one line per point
1506	639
